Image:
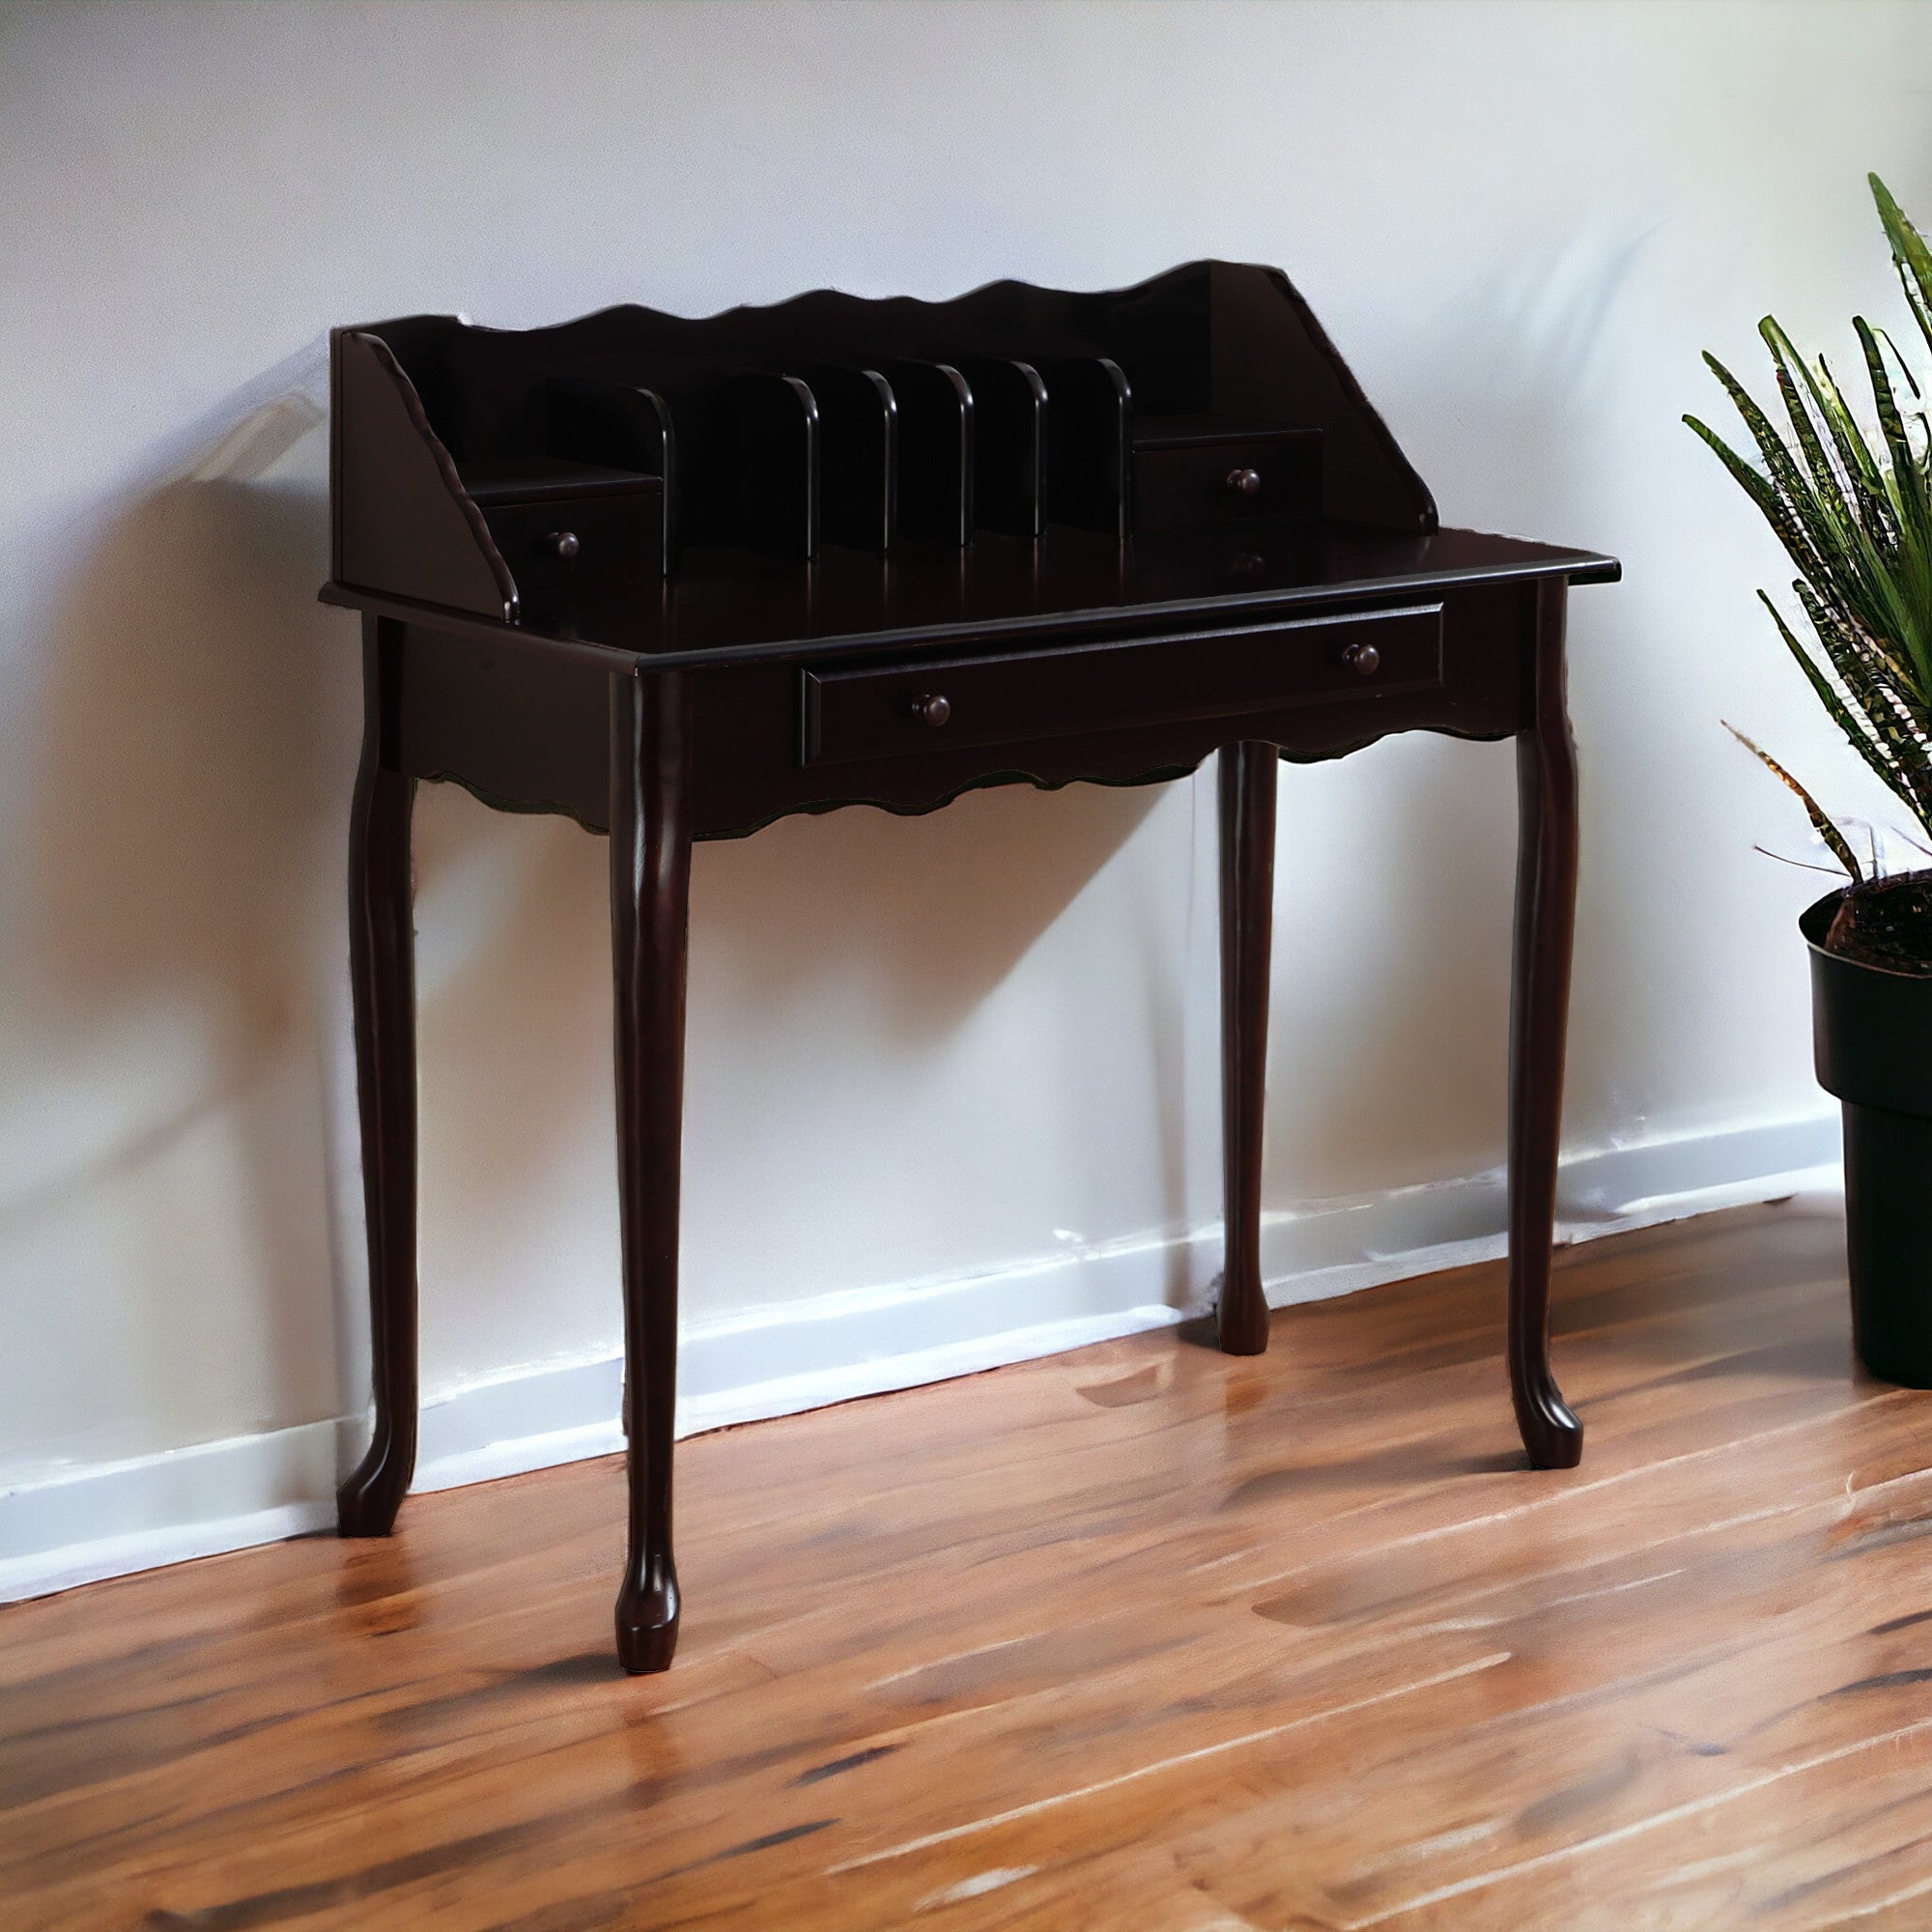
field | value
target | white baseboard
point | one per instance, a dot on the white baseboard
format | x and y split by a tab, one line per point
106	1519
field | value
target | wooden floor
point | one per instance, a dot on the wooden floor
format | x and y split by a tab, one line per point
1141	1637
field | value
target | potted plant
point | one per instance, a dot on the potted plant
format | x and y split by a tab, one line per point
1853	508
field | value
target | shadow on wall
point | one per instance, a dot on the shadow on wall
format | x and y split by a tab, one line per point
1408	912
927	917
201	709
1540	355
1388	1056
935	912
198	749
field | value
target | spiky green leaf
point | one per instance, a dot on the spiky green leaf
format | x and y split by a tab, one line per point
1841	846
1914	259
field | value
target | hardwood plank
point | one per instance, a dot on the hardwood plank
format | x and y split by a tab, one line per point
1142	1634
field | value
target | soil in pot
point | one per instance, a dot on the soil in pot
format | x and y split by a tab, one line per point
1886	922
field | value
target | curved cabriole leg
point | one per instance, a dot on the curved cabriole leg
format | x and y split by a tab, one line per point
1545	907
650	890
382	950
1247	780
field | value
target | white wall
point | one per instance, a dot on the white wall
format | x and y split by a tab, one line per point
977	1047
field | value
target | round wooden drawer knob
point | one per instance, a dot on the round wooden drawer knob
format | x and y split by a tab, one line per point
929	709
563	544
1364	659
1245	482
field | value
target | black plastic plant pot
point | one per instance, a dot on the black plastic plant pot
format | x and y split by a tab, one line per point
1871	1033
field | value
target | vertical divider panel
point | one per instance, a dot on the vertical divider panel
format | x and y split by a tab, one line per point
1089	420
754	475
935	416
858	457
1009	446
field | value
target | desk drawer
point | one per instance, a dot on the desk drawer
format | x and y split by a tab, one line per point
884	711
1211	481
566	551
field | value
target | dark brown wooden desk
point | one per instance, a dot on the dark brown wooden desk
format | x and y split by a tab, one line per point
680	578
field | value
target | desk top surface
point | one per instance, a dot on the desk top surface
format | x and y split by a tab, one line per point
731	607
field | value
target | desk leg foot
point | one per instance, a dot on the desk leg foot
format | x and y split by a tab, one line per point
647	1607
650	895
382	945
1546	910
1247	780
368	1501
1551	1430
